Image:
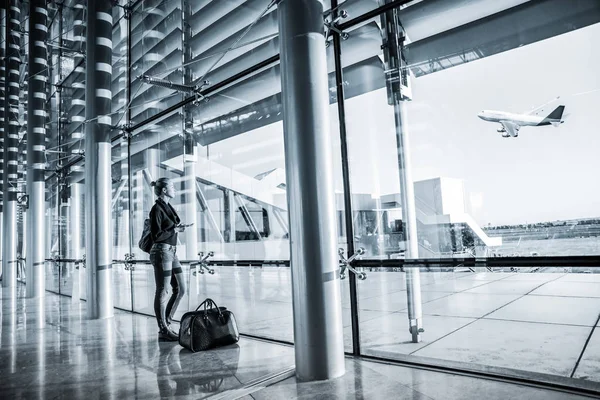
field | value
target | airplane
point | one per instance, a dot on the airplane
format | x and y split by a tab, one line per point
511	123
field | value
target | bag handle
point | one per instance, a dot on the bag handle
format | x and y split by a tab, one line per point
207	304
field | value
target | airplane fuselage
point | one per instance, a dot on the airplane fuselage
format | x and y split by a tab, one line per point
512	122
518	119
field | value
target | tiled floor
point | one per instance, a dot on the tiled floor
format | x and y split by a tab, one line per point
72	357
538	322
367	380
48	349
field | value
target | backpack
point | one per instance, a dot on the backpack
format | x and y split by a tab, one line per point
146	242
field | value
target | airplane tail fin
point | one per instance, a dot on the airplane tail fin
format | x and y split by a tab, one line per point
556	114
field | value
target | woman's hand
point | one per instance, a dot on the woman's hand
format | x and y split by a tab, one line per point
180	228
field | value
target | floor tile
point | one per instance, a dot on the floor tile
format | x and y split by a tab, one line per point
278	328
457	285
396	301
589	366
580	278
485	276
507	287
534	276
575	289
553	310
546	348
389	335
473	305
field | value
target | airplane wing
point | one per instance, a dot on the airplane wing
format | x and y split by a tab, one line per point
511	128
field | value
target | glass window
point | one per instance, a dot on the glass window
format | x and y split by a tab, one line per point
514	179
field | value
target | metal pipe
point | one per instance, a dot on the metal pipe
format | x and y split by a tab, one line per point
190	207
398	93
11	144
167	84
413	275
98	97
316	295
74	227
36	145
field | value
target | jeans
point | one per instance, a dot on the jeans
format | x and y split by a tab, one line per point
167	270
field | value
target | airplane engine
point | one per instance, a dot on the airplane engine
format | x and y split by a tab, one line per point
505	135
501	130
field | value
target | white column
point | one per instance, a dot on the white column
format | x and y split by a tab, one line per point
318	330
98	98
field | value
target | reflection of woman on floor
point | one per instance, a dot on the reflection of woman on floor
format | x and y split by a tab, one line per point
171	379
164	226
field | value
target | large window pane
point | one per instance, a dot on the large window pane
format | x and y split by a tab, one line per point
477	191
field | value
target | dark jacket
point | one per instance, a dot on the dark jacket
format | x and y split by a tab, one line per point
163	220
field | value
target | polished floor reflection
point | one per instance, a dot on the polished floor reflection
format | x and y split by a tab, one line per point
71	357
499	319
48	349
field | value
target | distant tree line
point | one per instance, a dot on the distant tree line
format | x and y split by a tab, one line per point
590	221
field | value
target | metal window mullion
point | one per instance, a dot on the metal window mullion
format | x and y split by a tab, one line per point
339	81
128	138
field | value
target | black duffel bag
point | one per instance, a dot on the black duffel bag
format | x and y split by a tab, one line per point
208	327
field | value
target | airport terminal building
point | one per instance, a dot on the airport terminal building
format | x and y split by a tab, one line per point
394	198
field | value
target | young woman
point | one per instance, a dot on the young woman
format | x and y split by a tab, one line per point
164	226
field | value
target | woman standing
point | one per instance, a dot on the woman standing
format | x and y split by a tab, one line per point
164	226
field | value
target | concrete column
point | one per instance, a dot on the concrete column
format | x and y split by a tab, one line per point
36	147
318	332
11	140
98	97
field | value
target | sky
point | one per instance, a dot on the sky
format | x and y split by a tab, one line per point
545	174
